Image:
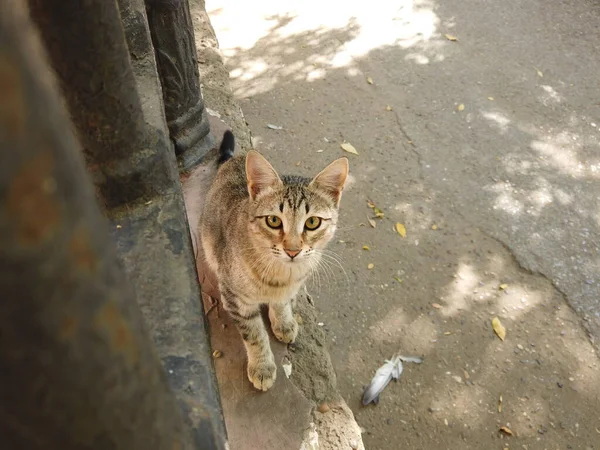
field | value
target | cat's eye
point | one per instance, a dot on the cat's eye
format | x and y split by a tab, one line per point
274	222
312	223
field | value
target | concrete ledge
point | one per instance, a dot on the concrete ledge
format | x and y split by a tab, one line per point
288	415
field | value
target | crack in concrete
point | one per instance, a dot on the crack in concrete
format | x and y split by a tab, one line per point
583	319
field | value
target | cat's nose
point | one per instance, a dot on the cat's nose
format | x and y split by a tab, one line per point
292	253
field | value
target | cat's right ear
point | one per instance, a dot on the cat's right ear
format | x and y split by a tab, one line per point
260	175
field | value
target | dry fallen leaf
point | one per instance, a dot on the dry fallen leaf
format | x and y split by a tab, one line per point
399	280
506	431
500	404
503	286
369	80
370	204
378	213
370	266
491	99
348	148
460	107
539	72
274	127
498	328
447	333
371	222
436	305
451	38
366	247
388	108
401	229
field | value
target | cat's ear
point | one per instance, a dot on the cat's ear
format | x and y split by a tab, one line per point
332	179
260	175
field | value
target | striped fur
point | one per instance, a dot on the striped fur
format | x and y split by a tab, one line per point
252	260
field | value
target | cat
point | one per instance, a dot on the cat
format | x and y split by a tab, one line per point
263	235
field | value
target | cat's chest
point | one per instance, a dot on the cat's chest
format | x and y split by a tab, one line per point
277	286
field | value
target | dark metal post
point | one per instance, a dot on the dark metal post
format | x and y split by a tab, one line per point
173	38
127	149
87	48
77	368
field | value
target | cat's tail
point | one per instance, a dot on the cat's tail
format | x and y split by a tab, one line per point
227	147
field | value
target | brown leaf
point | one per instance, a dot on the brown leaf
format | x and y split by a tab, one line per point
498	328
347	147
401	229
506	431
451	38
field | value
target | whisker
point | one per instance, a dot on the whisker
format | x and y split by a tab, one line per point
333	258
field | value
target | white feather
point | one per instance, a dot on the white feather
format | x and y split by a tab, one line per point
412	359
392	369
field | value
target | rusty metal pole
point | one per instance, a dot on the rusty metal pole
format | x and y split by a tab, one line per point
173	38
127	150
77	368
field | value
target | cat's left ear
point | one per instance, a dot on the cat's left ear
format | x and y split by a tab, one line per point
332	179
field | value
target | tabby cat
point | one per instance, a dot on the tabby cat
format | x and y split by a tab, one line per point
262	235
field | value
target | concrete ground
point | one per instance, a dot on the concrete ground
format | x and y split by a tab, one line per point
477	125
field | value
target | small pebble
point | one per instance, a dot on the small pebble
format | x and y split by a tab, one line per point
519	346
353	444
217	354
324	408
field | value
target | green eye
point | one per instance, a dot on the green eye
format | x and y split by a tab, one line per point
274	222
312	223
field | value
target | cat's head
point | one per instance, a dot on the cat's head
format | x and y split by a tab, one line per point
293	218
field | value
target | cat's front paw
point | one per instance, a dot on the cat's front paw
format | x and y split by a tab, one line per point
262	373
285	332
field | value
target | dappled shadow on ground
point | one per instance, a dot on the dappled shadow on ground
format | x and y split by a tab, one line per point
516	165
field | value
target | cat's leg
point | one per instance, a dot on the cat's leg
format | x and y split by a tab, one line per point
283	324
262	370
